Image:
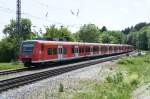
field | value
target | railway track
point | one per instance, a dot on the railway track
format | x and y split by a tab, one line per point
22	80
12	71
7	72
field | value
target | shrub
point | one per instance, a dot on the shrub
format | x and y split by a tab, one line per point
134	82
61	88
126	61
117	78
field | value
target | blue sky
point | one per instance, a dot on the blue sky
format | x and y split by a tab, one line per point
114	14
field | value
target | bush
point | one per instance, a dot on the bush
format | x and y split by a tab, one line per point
126	61
61	88
117	78
7	50
134	82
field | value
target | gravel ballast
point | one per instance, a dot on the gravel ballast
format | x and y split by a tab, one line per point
49	88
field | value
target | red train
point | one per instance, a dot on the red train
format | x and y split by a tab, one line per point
42	51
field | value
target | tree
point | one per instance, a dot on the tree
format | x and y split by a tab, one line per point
126	30
9	46
65	33
142	42
132	39
89	33
7	50
106	38
114	37
25	32
103	29
139	26
53	32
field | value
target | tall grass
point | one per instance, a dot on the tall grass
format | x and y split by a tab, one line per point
12	65
132	72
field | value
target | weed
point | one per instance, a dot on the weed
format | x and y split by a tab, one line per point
134	82
61	88
117	78
117	86
125	61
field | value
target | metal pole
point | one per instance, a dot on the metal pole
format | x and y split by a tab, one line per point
18	17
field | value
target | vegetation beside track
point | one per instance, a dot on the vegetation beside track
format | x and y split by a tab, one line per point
12	65
131	73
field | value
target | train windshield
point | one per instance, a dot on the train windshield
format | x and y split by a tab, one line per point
27	47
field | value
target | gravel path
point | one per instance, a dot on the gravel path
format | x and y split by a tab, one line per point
48	88
143	92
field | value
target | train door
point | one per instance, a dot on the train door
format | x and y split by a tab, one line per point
77	51
60	52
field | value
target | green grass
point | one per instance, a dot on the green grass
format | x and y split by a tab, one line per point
13	65
131	73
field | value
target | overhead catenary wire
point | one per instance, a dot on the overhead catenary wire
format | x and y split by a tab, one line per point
9	10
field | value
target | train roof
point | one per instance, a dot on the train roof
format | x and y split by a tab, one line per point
70	43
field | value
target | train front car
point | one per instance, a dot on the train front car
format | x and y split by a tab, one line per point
28	52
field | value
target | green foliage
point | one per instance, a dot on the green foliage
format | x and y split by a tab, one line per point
12	65
89	33
7	50
117	78
103	29
53	32
139	36
25	32
126	61
61	87
127	30
137	65
9	46
139	26
119	85
134	82
113	88
113	37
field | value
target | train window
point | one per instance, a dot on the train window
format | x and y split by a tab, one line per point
95	49
54	51
110	48
76	50
102	48
82	50
64	50
79	50
27	47
86	49
89	49
60	51
73	50
115	49
106	49
50	51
